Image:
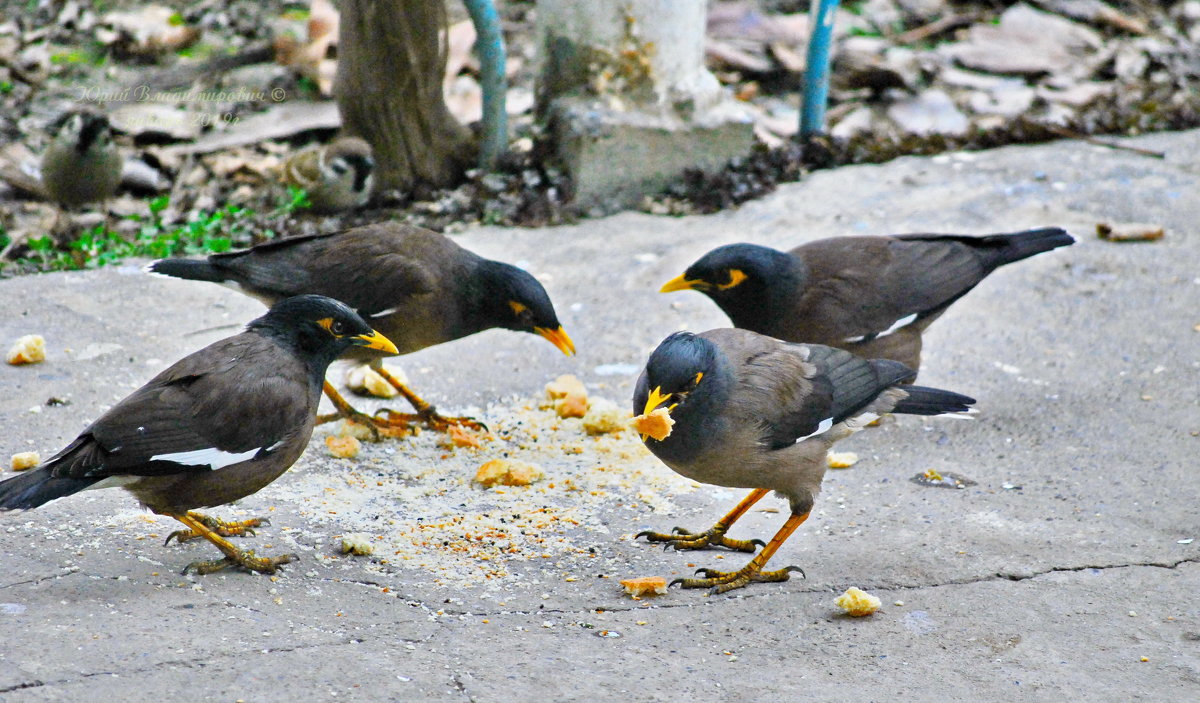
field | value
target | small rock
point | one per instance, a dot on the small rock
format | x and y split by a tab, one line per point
931	112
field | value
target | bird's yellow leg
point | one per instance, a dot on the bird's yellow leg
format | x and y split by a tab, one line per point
425	412
345	410
714	536
235	528
244	559
723	581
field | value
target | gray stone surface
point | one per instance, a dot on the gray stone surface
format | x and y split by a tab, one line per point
1051	579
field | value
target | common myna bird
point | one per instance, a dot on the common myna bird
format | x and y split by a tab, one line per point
81	164
216	426
337	176
416	286
869	295
750	411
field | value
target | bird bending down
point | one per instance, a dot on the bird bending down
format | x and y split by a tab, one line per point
217	426
753	412
416	286
336	176
872	296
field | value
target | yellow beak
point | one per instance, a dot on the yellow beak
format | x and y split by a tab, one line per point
656	399
376	341
558	338
681	282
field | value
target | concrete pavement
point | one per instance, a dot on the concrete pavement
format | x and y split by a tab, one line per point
1067	572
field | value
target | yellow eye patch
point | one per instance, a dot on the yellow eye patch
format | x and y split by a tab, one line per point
736	276
517	308
326	323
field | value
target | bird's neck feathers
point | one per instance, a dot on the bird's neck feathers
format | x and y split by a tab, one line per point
772	280
482	295
697	419
307	343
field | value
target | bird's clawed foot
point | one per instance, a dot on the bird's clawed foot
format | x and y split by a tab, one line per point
681	539
430	417
236	528
242	560
725	581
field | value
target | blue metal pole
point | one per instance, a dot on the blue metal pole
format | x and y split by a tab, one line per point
816	70
490	47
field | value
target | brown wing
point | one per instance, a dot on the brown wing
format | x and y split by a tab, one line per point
371	268
864	286
241	396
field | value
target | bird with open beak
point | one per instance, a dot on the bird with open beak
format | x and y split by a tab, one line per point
416	286
750	411
216	426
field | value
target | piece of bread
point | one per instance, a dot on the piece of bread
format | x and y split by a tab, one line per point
22	461
343	447
656	424
30	349
857	602
645	586
505	472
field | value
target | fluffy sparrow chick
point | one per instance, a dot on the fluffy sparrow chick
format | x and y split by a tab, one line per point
81	164
337	176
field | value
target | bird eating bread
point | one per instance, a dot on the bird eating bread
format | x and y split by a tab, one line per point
214	427
750	411
416	286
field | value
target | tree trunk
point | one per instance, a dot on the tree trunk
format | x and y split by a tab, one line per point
391	58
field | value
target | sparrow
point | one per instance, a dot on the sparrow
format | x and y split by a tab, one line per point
81	164
337	176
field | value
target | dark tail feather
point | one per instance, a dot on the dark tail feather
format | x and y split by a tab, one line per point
192	269
932	401
1007	248
35	487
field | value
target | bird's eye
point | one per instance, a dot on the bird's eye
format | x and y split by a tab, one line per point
337	328
339	167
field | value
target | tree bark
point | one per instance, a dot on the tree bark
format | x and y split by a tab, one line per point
391	59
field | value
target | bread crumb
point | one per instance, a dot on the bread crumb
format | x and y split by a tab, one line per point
357	544
30	349
504	472
857	602
458	436
343	447
645	586
357	430
568	396
563	386
841	460
603	416
656	424
933	475
22	461
363	379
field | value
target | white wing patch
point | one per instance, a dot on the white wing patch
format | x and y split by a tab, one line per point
860	421
384	313
821	428
212	457
114	482
902	322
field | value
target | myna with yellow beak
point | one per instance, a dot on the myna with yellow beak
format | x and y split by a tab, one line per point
215	427
416	286
873	296
753	412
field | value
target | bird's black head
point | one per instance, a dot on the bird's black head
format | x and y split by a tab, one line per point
675	370
740	278
319	327
350	158
84	129
513	299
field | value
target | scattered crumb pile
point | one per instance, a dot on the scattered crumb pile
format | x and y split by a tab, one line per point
841	460
541	493
30	349
22	461
645	586
857	602
656	424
